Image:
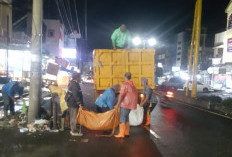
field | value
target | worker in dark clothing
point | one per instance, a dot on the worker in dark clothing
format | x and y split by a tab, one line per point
148	102
74	99
9	91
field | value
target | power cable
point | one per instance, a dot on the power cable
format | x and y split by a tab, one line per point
70	13
62	20
66	15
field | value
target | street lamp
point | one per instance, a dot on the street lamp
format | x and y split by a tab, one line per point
137	41
151	42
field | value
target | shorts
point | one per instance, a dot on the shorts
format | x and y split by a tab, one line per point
124	115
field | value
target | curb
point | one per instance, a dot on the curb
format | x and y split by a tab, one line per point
200	104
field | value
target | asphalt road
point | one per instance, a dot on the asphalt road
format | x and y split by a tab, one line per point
62	144
188	132
178	131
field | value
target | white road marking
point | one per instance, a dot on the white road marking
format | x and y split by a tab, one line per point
154	134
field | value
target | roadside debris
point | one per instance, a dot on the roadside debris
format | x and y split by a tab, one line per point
84	140
12	122
31	127
22	130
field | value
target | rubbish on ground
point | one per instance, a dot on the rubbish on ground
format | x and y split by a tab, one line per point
22	122
31	128
22	130
41	122
55	131
84	140
72	140
12	123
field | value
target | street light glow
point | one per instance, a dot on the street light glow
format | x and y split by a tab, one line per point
152	42
137	41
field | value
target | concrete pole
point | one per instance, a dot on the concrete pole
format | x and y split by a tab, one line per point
35	83
191	50
196	48
7	47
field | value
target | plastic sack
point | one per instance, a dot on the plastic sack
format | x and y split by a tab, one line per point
61	93
136	116
63	79
98	121
24	108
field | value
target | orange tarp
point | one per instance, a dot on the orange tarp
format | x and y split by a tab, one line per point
98	121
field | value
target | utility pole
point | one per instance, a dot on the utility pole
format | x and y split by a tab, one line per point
196	48
86	28
191	51
35	83
7	46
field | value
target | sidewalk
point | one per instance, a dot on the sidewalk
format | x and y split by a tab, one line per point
15	144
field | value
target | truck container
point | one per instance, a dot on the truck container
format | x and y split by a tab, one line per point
111	65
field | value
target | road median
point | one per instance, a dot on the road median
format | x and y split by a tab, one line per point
210	103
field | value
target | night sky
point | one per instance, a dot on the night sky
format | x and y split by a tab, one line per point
158	18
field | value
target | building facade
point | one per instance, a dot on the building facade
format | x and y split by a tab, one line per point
53	40
221	69
5	21
183	49
183	43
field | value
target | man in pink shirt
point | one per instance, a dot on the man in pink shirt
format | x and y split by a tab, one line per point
127	101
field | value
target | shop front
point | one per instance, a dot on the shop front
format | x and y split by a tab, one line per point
18	63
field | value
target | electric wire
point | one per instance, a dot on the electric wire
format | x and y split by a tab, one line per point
66	15
70	13
62	20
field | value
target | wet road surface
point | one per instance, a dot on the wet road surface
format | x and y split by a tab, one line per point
178	131
61	144
187	132
15	144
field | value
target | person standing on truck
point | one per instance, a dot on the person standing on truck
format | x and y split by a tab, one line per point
127	101
148	102
74	99
107	100
9	91
120	38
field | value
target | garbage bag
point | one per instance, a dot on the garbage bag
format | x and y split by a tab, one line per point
61	93
98	121
24	108
136	116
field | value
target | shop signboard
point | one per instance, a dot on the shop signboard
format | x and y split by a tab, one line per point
230	22
216	61
229	45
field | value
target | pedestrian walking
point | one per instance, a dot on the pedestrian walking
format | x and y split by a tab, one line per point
107	100
9	91
148	102
127	101
74	99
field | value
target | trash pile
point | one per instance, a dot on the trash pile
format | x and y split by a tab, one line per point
40	125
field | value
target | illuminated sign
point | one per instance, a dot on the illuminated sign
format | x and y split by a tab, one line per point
68	53
229	45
